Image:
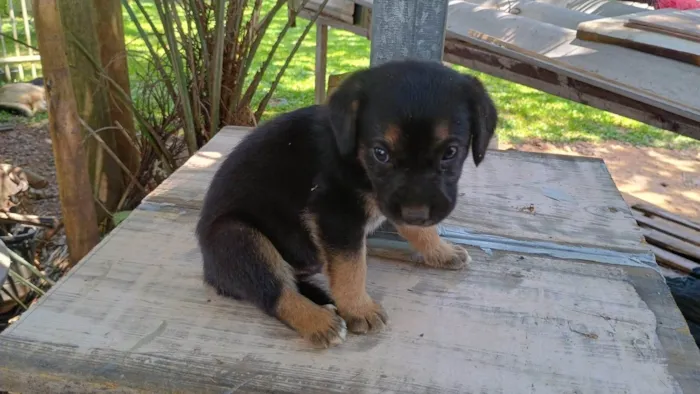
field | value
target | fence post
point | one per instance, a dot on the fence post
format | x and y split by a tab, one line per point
75	192
408	29
413	29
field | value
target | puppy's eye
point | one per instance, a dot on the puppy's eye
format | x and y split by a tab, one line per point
450	152
381	155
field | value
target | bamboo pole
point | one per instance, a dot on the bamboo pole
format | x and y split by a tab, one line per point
75	192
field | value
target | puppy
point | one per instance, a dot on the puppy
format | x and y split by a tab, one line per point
297	197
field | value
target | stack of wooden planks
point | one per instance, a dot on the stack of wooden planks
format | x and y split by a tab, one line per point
682	24
668	33
674	240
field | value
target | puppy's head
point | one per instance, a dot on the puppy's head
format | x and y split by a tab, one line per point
411	125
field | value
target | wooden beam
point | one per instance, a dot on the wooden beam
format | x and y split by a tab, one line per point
33	220
20	59
407	29
661	240
652	210
664	257
321	61
498	62
659	224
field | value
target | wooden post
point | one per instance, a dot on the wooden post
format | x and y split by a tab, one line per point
408	29
91	93
77	204
109	27
321	60
413	29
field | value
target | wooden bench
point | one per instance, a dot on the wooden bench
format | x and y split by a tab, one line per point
562	296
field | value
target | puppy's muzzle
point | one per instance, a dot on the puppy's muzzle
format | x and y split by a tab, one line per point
415	215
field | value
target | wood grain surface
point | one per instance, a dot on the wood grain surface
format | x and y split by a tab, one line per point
616	32
135	316
575	199
683	24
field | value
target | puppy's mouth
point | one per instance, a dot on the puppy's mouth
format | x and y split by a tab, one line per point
419	216
416	223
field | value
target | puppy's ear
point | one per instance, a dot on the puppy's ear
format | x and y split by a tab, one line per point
343	106
484	117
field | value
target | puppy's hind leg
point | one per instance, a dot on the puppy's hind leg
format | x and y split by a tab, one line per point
241	262
315	288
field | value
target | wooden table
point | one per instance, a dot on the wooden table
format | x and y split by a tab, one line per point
134	315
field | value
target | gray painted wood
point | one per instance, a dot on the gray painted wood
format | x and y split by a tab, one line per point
552	14
134	315
614	32
575	199
407	29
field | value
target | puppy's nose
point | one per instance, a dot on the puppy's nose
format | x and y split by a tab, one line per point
415	214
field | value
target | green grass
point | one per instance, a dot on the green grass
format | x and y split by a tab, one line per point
526	113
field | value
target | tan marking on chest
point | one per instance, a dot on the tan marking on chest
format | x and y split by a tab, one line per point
375	218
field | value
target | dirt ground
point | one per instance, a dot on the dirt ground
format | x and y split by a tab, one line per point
29	146
668	179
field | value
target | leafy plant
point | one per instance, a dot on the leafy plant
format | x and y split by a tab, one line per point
209	48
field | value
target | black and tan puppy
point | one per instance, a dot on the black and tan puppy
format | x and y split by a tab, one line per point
298	196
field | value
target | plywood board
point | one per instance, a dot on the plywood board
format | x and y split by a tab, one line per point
683	24
614	31
575	199
135	316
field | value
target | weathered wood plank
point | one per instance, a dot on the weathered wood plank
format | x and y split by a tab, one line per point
669	228
338	9
630	67
595	8
674	261
43	221
668	242
548	78
552	14
136	313
670	21
407	29
575	199
614	31
652	210
631	73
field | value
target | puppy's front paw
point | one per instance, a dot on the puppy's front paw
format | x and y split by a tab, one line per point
365	316
448	256
328	328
